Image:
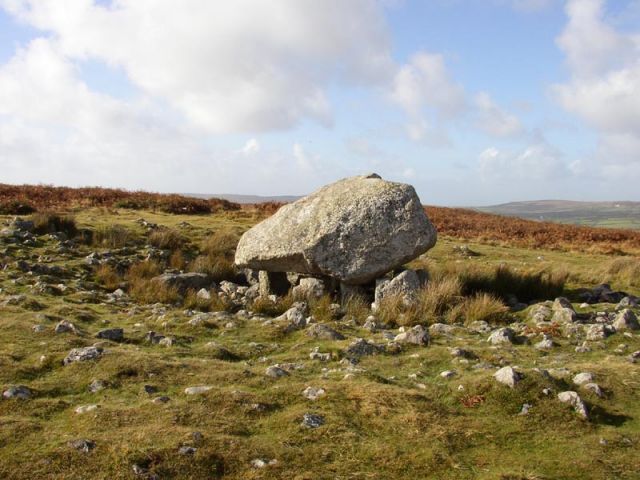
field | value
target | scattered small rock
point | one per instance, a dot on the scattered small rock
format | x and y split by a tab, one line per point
573	399
19	391
197	389
313	393
508	376
312	420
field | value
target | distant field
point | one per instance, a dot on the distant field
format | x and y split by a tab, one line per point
595	214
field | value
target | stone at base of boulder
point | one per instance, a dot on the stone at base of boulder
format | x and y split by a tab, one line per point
273	283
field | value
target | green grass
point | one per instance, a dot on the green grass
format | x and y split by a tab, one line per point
380	422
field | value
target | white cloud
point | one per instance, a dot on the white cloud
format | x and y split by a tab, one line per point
605	70
54	129
604	88
243	66
491	119
251	147
425	89
538	162
425	81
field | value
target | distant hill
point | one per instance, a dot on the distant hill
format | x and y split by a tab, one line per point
597	214
232	197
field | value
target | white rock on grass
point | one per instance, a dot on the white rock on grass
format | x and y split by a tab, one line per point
582	378
276	372
417	335
508	376
82	355
594	388
502	336
86	408
626	320
197	389
313	393
573	399
20	392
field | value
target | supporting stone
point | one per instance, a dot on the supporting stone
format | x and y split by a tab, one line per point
273	283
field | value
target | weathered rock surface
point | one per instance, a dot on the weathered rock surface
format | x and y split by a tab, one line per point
405	285
354	230
417	335
508	376
82	355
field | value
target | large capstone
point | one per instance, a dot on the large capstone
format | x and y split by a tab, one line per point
354	230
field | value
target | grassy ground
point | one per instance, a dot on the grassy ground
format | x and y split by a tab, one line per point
389	416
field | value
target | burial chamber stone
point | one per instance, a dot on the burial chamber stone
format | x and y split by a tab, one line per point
353	230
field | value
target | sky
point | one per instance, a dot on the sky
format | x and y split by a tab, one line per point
474	102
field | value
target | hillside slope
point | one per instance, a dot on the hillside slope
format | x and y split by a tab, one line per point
597	214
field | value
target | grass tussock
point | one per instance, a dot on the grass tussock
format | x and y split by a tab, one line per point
151	291
112	236
167	239
356	307
108	277
177	260
49	222
321	308
479	307
442	300
216	255
144	270
624	271
144	289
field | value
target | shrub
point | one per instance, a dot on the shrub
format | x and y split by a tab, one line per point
48	222
16	207
167	239
112	236
177	204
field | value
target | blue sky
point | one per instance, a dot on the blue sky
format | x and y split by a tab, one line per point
474	102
